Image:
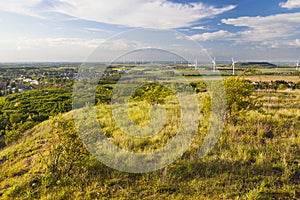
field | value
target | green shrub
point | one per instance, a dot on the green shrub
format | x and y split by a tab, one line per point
67	154
282	87
15	118
11	136
152	93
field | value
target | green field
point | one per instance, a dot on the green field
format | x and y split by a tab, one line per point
257	74
277	70
252	78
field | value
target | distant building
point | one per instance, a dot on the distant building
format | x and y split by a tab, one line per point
28	80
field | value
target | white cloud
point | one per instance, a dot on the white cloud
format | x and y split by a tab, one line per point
267	28
282	44
199	28
272	44
133	13
62	49
29	43
67	43
290	4
25	7
88	29
295	43
140	13
46	49
219	35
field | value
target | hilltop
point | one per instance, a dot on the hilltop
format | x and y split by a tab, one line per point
257	65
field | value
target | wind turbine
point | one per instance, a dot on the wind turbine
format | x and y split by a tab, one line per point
233	66
214	64
196	63
297	65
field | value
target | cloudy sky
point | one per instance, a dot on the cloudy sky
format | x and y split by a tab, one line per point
68	30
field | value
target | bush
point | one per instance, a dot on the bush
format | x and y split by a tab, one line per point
199	86
67	152
12	136
152	93
282	87
26	126
15	118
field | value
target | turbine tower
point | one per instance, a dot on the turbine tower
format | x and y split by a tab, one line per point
233	66
214	64
297	65
196	63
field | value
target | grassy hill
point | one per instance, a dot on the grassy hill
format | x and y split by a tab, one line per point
257	64
256	157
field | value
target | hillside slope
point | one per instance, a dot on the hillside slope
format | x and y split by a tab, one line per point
256	157
20	162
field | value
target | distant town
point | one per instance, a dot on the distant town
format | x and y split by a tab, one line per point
20	78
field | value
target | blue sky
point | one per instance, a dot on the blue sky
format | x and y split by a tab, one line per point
68	30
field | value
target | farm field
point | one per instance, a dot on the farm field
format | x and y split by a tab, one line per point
274	78
253	78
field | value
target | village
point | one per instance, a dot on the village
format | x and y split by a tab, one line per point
14	79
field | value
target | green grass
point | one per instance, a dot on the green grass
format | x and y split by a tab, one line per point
256	158
2	100
277	70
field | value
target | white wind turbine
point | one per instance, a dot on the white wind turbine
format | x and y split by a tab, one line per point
214	64
196	63
233	66
297	65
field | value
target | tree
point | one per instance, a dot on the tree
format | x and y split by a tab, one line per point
16	89
10	91
238	94
15	118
